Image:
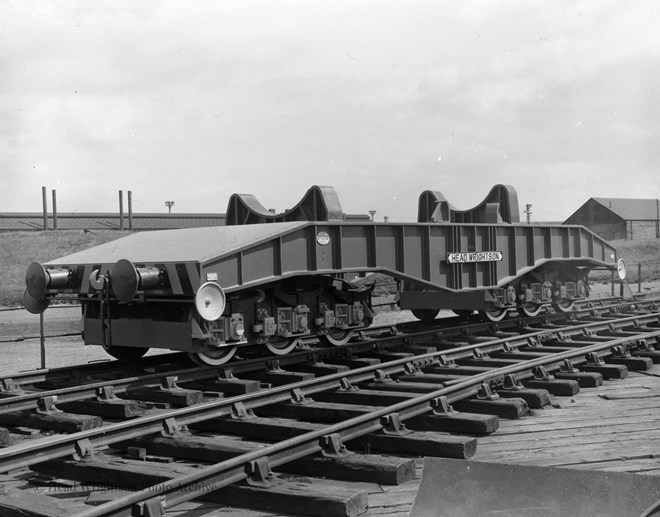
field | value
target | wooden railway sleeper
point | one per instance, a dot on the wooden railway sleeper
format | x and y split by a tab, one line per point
536	398
650	353
621	355
594	363
585	379
544	380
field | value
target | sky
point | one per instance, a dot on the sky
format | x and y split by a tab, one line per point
193	101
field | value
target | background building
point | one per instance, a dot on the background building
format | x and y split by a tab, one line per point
613	218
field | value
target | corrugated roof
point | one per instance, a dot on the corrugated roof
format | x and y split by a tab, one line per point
631	209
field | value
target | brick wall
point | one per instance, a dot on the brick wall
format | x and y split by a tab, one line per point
640	230
628	230
609	232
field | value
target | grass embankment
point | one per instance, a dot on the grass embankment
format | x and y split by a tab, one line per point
18	249
646	253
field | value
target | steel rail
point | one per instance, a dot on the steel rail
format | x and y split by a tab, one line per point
34	451
102	366
213	477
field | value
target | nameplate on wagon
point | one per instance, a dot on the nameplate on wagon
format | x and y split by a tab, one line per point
474	256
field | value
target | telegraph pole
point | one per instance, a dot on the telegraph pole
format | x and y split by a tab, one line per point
54	192
44	202
121	210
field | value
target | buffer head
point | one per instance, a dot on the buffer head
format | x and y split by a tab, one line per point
210	301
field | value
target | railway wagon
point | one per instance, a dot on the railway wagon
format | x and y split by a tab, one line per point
271	279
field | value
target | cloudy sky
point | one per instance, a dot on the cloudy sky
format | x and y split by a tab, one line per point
193	101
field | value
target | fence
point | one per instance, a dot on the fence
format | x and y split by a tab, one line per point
648	271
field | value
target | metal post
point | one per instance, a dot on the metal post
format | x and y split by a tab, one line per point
42	340
121	210
639	277
130	210
657	218
54	209
44	200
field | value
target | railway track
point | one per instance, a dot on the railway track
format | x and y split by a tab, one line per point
181	434
15	383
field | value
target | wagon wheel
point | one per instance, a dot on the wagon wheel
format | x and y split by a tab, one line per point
529	309
564	305
493	315
336	337
282	346
125	353
214	357
425	315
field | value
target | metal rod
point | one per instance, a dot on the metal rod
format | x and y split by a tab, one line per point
130	210
42	340
639	277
